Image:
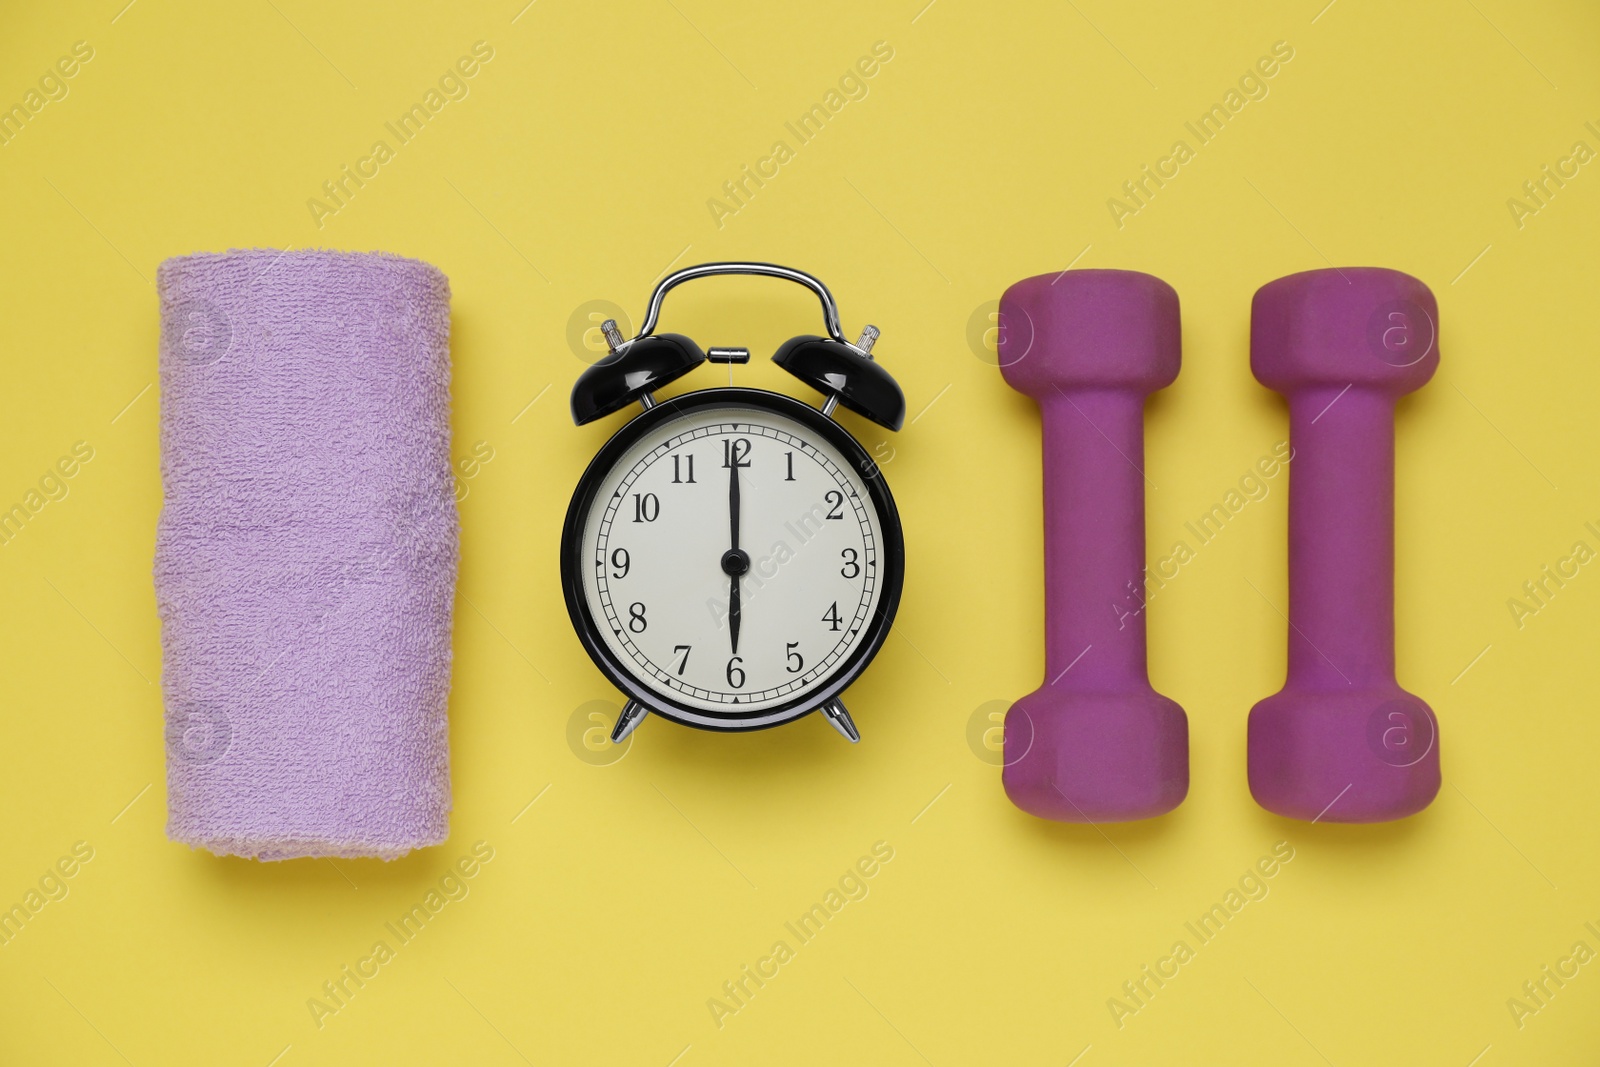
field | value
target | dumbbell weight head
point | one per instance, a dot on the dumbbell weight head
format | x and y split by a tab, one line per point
1088	329
1075	756
1369	755
1367	327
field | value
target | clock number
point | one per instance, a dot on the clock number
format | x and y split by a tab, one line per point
684	662
636	621
789	459
831	617
736	452
646	508
688	469
796	662
735	674
620	563
851	567
835	501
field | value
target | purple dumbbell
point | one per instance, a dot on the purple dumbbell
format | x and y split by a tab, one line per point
1342	741
1094	743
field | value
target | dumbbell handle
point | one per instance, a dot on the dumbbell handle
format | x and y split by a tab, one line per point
1341	537
1094	539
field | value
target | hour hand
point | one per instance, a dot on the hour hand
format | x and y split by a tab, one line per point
735	562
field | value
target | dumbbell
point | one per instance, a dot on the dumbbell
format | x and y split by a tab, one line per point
1094	743
1342	742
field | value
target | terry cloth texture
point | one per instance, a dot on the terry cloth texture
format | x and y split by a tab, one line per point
306	553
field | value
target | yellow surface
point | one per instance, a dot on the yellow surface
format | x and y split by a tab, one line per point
578	168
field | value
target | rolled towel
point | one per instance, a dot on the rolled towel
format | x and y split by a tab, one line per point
306	553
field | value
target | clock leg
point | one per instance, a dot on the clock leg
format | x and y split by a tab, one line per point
840	720
633	714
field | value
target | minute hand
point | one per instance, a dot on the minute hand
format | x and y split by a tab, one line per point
733	503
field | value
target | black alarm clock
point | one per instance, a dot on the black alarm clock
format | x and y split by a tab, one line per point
732	558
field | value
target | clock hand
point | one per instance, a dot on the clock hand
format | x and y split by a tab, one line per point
733	554
733	503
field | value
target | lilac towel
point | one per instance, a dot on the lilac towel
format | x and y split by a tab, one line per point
306	554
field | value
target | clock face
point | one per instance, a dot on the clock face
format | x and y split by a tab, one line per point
735	555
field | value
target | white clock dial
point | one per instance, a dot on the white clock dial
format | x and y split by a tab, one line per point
659	580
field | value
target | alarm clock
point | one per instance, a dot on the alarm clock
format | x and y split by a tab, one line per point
732	558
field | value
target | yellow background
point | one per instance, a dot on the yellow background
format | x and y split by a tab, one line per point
578	169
